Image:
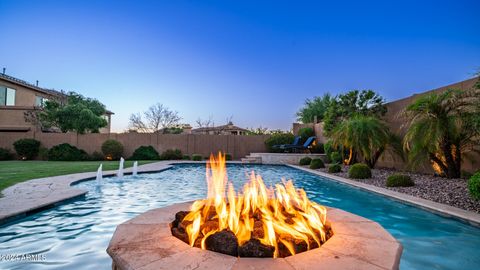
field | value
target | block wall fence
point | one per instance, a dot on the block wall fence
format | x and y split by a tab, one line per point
396	122
237	145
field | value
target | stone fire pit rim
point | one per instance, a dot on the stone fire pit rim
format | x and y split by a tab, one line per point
145	242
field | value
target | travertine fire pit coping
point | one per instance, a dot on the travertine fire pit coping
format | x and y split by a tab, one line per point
145	242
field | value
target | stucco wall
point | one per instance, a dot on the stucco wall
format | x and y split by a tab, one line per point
237	145
396	122
317	128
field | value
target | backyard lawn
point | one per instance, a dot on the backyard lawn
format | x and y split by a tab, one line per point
12	172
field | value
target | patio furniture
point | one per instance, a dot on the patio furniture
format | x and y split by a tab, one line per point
296	142
305	146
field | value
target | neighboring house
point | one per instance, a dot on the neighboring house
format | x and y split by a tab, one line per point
228	129
18	98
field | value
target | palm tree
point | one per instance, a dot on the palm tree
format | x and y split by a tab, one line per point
366	135
443	129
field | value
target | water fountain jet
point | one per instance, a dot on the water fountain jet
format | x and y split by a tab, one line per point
99	173
135	168
120	168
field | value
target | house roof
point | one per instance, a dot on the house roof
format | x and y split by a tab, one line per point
228	127
26	84
51	92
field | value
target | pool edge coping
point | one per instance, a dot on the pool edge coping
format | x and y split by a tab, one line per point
469	217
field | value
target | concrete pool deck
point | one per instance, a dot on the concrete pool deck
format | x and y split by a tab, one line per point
36	195
145	242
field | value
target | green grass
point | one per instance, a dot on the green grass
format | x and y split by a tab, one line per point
13	172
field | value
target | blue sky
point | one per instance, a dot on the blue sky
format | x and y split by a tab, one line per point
254	60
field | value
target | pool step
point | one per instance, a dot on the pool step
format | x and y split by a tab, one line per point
252	159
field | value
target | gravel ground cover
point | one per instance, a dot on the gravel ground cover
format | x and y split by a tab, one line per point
452	192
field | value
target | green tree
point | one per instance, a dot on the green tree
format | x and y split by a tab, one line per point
443	129
354	102
366	135
316	107
78	113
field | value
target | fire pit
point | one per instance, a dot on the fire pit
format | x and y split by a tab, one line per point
279	226
258	222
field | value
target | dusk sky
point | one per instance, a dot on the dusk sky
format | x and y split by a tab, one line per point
254	60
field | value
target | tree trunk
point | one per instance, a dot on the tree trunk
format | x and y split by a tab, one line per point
350	155
453	170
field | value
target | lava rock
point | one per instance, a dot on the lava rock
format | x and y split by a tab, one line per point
223	242
254	248
179	216
180	234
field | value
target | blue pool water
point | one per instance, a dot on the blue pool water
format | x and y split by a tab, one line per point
75	235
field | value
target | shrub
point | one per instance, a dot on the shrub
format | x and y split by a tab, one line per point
5	154
474	186
277	139
328	147
228	156
66	152
305	161
316	163
171	154
317	148
43	153
359	171
334	168
27	148
399	180
145	153
112	149
196	157
305	133
335	157
97	156
186	157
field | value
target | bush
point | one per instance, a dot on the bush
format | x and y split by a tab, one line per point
328	147
474	186
27	148
399	180
305	161
171	154
335	157
317	148
66	152
228	157
277	139
43	153
186	157
145	153
5	154
316	163
196	157
305	133
359	171
334	168
97	156
112	149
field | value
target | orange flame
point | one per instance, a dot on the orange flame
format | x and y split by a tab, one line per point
283	210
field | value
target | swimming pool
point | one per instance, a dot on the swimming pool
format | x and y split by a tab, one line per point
75	235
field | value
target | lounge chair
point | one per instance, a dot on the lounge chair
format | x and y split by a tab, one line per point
296	142
305	146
